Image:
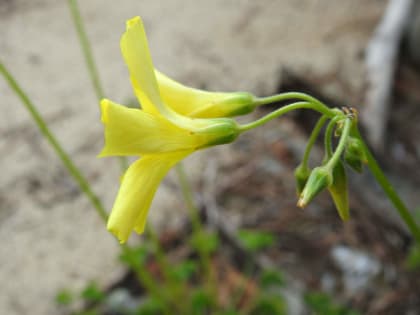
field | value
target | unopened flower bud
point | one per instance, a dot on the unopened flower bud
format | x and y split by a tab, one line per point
338	191
319	179
354	154
302	173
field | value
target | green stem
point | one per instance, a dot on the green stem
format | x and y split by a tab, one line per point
149	283
160	256
328	138
197	227
68	163
189	200
341	144
90	60
177	290
87	51
84	185
289	96
389	190
312	139
285	109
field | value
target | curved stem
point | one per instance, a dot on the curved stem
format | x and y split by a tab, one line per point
289	96
285	109
328	137
341	144
65	158
389	190
311	141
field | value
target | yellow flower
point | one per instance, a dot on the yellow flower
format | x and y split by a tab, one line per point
184	100
198	103
157	132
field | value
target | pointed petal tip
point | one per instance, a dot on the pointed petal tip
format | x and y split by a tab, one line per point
133	21
301	203
122	239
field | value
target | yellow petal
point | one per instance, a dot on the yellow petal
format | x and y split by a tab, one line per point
131	131
136	193
198	103
135	50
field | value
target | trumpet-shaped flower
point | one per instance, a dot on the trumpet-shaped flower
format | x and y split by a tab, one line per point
158	132
181	99
198	103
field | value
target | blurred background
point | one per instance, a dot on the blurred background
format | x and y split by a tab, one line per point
53	239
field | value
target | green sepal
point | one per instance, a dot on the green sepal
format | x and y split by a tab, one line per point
225	130
319	179
339	191
302	173
240	103
354	154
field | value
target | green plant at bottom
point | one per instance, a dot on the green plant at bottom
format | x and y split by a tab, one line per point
322	304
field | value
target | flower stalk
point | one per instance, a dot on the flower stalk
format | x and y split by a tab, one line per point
389	190
87	50
288	108
64	157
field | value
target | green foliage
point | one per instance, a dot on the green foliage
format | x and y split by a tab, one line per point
228	312
92	293
184	270
64	297
201	302
322	304
271	279
150	306
134	257
255	240
207	242
87	312
269	304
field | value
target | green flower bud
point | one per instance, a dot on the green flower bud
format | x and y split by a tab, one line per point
319	179
354	154
338	191
302	173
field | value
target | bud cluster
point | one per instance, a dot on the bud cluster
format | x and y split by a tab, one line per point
331	175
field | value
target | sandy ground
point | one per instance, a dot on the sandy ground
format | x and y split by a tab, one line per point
52	238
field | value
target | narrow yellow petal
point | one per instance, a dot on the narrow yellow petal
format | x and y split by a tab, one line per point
131	131
198	103
136	193
135	50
